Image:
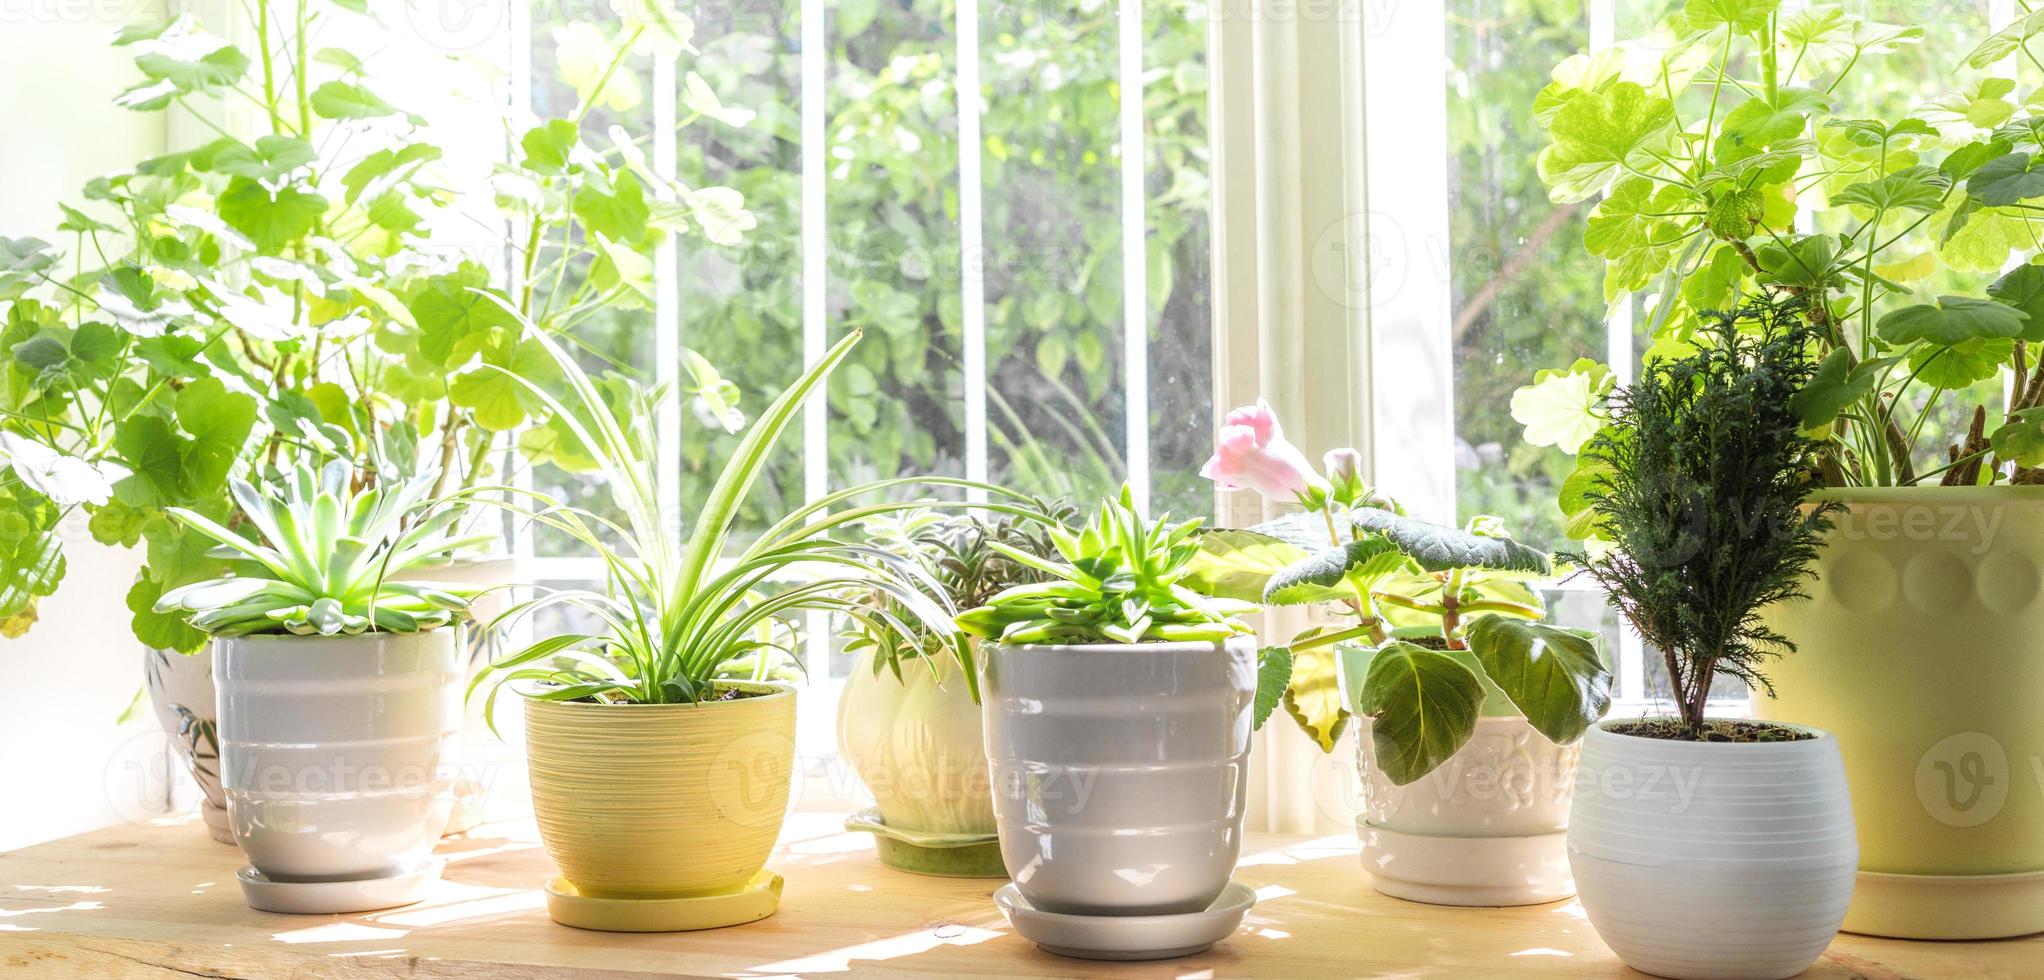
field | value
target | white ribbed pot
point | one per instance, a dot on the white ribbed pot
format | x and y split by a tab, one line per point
181	692
338	753
1713	859
1120	771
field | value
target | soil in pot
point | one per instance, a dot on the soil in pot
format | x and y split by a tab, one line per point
1713	730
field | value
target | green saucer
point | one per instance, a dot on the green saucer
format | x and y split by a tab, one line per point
942	855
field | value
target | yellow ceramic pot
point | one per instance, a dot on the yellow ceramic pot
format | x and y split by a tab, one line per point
661	800
1919	649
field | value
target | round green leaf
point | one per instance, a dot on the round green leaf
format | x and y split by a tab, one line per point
1951	320
2008	179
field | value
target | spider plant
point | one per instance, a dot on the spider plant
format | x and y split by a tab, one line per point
957	551
324	564
676	611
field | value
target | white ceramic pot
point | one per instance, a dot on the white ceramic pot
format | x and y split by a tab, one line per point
1487	828
181	692
1120	771
338	753
1713	859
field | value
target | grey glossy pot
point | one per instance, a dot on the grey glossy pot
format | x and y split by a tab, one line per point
1120	772
338	753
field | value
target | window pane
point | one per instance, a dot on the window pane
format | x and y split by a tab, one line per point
1525	293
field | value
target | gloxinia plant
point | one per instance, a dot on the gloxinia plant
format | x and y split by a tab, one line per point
1446	609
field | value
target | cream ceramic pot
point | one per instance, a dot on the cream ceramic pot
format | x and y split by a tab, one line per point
181	693
338	753
661	800
1120	771
917	744
1713	859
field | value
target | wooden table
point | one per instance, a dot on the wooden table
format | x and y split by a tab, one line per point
161	901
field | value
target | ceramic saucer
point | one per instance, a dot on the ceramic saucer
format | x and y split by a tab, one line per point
943	855
751	903
267	894
1126	937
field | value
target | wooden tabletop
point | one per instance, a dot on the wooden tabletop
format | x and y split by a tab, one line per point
161	901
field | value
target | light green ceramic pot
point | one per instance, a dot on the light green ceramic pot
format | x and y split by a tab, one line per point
1922	650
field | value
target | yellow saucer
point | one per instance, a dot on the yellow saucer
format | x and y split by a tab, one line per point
757	900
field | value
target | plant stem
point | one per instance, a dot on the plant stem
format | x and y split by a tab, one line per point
269	100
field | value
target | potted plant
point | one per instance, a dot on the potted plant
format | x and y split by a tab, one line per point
909	716
1706	847
659	784
1472	707
339	687
1902	227
1102	810
277	294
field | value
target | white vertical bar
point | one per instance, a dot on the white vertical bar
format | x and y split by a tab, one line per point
1135	255
1618	322
1618	353
519	74
666	310
971	250
816	415
1406	248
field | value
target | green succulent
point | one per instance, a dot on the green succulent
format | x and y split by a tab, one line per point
324	563
1119	583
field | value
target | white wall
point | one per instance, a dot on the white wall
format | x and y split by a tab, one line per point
65	765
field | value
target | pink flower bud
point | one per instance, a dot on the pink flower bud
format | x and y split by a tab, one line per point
1251	453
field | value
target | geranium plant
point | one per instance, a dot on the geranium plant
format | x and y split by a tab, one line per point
1418	593
1728	161
273	296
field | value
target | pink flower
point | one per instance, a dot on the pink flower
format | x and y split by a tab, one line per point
1251	453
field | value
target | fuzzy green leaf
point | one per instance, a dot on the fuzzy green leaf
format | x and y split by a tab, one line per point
1597	134
1273	675
1334	572
1422	705
1439	548
2023	288
1555	676
2008	179
1236	564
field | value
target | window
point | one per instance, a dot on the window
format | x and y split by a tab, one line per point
1029	266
